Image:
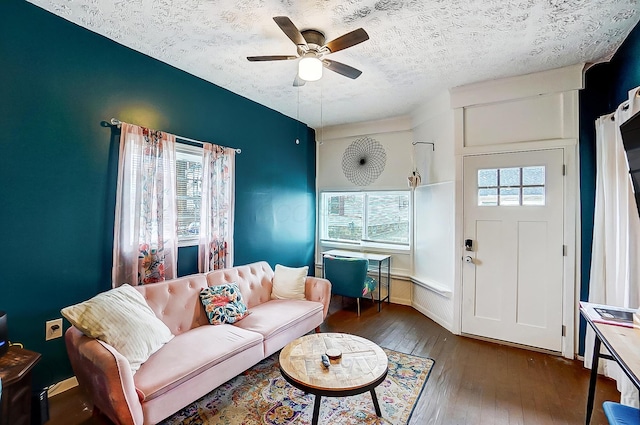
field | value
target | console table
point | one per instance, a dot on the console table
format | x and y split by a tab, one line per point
378	263
15	372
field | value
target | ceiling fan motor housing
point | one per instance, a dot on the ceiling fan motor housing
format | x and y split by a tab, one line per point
315	40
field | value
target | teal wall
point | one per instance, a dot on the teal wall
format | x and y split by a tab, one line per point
606	87
58	165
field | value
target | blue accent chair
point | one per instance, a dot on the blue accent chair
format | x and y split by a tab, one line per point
348	277
619	414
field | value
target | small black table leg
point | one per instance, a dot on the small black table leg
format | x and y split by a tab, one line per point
316	410
594	377
375	402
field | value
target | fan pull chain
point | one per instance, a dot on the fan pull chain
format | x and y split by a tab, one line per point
321	122
298	115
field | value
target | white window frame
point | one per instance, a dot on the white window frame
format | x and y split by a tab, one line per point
185	150
363	243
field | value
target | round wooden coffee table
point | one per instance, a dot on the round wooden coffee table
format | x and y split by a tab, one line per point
361	367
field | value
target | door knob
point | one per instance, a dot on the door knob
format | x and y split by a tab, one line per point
468	259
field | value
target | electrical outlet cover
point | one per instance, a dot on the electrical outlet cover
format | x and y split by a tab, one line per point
53	329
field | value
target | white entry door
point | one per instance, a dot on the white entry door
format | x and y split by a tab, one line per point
512	273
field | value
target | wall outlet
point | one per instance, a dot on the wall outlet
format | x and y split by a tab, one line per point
53	329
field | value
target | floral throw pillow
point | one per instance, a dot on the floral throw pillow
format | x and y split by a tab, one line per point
223	304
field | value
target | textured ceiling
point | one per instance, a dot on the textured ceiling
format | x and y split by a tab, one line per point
416	48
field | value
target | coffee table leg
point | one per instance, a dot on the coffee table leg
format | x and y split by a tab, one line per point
316	410
375	402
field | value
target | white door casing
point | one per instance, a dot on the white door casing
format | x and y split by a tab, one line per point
512	284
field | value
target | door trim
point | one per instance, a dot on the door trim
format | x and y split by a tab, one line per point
571	237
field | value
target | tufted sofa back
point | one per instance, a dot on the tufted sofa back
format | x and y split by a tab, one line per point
254	281
177	302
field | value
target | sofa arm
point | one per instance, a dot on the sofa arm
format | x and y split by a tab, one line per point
318	289
106	376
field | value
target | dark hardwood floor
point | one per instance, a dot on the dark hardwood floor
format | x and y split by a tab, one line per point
472	381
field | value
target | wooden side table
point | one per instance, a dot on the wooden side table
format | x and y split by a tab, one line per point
15	372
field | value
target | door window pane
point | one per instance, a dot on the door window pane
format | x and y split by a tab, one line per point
510	177
533	195
488	197
532	176
509	196
488	177
513	186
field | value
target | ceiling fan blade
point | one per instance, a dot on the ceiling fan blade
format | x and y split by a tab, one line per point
290	30
347	40
342	69
270	58
297	82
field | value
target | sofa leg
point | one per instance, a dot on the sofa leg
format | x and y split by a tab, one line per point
358	302
95	412
317	329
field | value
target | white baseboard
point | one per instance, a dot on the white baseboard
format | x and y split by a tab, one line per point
62	386
431	315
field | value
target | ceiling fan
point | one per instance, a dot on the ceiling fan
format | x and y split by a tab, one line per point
312	49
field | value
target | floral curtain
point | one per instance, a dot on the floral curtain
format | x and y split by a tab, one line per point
145	241
216	227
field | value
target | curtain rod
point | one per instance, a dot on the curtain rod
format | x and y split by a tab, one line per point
433	145
118	123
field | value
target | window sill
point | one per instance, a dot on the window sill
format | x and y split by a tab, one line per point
368	247
188	242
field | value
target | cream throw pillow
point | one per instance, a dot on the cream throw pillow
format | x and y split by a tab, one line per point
288	283
122	318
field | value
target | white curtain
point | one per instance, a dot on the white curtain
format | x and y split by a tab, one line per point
145	247
215	249
615	261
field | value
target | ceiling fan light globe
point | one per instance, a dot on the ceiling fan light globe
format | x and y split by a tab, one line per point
310	68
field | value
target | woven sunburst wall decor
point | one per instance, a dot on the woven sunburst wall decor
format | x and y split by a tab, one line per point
363	161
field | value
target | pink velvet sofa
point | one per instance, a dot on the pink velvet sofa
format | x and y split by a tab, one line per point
201	356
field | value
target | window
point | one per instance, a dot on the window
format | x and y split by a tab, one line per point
188	192
356	217
516	186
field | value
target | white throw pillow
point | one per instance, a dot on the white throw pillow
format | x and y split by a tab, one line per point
122	318
288	283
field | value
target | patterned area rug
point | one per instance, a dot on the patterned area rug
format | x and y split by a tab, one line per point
260	396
